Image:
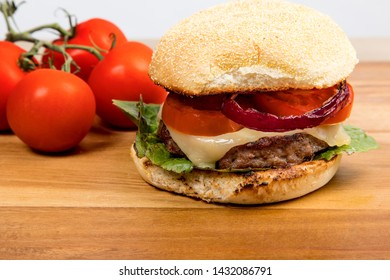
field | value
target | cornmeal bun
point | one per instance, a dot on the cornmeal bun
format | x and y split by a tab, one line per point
229	66
252	45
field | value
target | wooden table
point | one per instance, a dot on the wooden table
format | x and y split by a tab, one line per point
91	203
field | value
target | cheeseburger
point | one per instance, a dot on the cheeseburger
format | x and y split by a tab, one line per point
258	93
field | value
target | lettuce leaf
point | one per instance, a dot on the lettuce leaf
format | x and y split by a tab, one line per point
148	144
360	142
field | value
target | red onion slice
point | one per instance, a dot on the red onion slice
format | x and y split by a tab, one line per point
253	119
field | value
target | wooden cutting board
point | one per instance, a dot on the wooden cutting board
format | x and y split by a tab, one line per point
92	204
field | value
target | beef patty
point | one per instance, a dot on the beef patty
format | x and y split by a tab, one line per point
273	152
267	152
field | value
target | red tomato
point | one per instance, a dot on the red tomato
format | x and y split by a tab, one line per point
202	115
123	75
95	32
10	75
298	102
179	114
344	113
51	110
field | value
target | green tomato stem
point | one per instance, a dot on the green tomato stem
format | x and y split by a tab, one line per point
8	9
54	26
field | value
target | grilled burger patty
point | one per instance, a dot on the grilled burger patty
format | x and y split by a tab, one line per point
267	152
273	152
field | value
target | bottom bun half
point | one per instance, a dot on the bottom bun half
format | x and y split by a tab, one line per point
257	187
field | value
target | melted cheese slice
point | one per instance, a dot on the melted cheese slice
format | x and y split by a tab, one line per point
205	151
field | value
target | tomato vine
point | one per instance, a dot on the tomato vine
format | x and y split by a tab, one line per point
26	61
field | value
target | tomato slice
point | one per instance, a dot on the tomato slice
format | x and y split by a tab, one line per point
298	102
197	116
344	113
202	116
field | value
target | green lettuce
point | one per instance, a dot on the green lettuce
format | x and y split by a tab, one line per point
360	142
148	144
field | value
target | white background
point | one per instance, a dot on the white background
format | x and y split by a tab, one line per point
149	19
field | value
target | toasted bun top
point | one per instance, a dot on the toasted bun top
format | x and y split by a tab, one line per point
250	45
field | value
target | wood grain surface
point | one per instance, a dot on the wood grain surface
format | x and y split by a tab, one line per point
91	203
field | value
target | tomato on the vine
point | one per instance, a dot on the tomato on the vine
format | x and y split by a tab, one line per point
123	75
10	75
51	110
96	32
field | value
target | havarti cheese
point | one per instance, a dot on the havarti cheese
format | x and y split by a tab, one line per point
205	151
